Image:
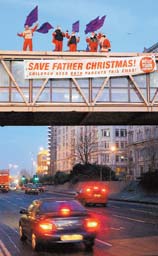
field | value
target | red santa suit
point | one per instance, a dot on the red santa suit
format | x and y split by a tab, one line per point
104	43
92	42
27	34
72	42
58	36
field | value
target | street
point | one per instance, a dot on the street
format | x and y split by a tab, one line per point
127	229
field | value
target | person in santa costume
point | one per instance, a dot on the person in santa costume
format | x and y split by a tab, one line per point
104	43
58	37
27	34
73	40
92	42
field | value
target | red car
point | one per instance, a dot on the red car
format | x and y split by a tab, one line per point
92	193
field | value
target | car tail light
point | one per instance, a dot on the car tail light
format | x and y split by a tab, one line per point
65	211
46	226
88	190
104	190
91	225
96	188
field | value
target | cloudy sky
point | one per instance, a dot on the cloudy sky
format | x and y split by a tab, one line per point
130	26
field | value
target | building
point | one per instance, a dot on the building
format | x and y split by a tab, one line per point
142	150
43	163
52	148
105	145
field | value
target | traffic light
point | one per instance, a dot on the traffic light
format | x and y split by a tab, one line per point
23	179
35	178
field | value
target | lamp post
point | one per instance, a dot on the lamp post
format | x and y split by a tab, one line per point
113	150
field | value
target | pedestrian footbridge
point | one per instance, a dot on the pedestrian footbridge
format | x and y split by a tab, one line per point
78	88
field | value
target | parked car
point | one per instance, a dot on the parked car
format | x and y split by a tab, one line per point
92	193
31	189
56	222
23	187
40	187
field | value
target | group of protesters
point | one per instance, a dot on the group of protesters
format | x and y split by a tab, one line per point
95	42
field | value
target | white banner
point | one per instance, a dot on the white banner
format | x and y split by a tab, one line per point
98	67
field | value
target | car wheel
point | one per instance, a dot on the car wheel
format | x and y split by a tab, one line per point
21	233
34	243
89	245
83	202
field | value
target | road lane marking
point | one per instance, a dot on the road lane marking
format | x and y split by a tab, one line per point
113	206
152	213
103	242
12	242
4	249
124	217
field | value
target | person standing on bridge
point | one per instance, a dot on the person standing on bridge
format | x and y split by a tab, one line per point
73	40
58	37
27	34
104	43
92	42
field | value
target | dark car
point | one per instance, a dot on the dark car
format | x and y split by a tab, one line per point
56	222
31	189
40	187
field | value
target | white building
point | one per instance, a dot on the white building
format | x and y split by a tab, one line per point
142	149
105	145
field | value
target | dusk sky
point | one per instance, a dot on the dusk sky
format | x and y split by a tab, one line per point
130	26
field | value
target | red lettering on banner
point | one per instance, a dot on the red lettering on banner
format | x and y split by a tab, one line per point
38	66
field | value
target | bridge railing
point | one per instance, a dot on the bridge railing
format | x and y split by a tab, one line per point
85	94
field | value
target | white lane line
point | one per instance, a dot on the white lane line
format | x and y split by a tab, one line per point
103	242
135	210
4	249
115	206
11	241
124	217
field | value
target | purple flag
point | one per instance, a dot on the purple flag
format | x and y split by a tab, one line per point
100	23
44	28
32	17
90	24
95	25
75	26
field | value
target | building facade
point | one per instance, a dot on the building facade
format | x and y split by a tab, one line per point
105	145
43	163
142	150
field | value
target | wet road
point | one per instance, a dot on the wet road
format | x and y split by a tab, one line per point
127	229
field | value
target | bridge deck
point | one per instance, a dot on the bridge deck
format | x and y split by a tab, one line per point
75	100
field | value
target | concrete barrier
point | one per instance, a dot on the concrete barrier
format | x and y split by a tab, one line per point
114	186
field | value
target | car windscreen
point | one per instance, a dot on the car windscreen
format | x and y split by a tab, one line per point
55	206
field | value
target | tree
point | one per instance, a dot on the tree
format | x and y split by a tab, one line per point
87	172
87	145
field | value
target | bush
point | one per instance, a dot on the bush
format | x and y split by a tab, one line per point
61	177
149	181
88	172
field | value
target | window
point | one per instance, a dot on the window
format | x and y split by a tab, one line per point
123	144
106	145
123	132
105	158
117	133
117	158
117	144
105	133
